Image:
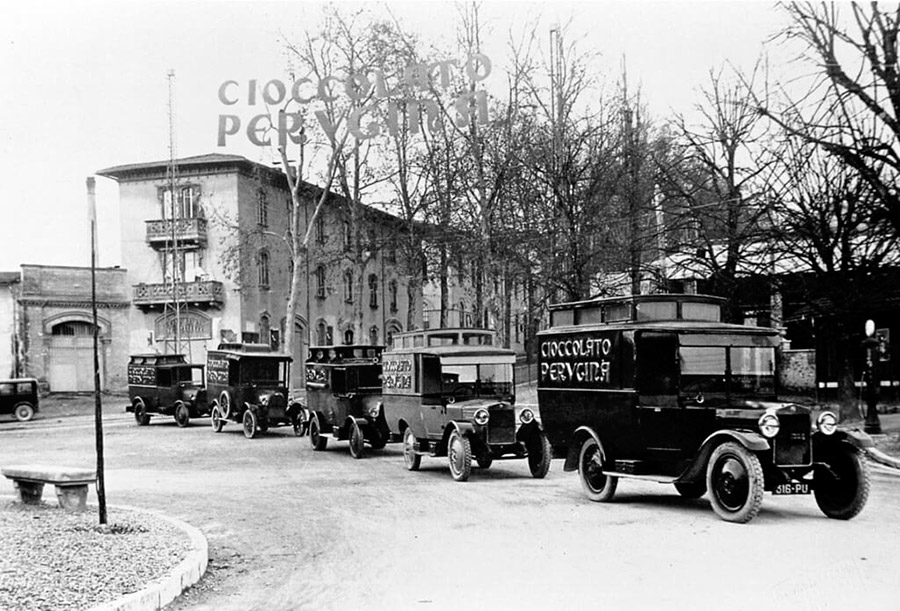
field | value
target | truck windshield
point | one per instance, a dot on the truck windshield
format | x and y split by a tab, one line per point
737	370
486	380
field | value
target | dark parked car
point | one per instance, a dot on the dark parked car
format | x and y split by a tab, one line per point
343	391
19	397
656	387
451	392
165	384
248	383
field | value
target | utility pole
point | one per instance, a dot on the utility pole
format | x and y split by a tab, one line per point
98	407
174	275
630	125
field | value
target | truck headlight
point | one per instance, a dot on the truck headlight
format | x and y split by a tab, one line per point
481	417
769	425
374	410
827	423
264	400
527	416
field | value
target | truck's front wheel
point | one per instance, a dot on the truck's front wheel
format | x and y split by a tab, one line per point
841	484
459	452
734	478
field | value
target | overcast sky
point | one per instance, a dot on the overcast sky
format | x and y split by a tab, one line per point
83	85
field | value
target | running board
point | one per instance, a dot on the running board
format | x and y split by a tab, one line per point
662	479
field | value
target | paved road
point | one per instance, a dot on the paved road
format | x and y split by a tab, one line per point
290	528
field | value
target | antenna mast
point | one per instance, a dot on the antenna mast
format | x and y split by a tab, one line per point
174	257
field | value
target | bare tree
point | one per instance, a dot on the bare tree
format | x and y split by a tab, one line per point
830	257
855	57
716	185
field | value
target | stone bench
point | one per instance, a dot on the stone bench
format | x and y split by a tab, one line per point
71	483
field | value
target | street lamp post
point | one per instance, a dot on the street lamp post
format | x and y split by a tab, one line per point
872	423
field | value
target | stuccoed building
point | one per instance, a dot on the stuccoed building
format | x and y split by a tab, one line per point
213	258
55	327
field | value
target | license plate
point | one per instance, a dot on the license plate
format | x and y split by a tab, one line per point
792	488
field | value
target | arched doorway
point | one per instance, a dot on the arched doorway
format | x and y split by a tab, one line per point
70	364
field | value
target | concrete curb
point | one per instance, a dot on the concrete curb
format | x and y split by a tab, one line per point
885	459
157	594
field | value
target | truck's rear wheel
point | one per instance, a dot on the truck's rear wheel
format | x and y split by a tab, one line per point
597	485
410	458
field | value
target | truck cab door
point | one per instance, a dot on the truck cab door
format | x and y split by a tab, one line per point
667	428
434	410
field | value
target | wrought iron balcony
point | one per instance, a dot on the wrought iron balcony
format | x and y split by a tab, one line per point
202	293
188	232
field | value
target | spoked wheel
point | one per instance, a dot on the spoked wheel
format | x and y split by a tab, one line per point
459	453
410	458
841	486
597	485
250	424
691	490
225	404
734	479
24	412
301	423
215	419
182	415
357	443
315	434
140	413
539	455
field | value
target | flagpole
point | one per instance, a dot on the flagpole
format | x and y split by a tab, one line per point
98	407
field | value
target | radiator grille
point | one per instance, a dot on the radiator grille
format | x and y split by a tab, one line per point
501	427
792	444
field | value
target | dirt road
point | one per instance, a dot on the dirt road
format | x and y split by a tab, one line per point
290	528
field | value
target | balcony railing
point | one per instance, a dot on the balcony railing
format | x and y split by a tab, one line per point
188	232
204	293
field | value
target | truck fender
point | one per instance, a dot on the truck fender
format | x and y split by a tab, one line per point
582	434
529	431
853	437
464	428
362	423
752	441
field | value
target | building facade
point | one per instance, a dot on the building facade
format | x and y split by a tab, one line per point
55	327
203	243
10	354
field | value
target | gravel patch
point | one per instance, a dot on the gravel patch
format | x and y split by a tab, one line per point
54	560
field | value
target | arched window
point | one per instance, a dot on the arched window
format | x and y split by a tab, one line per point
262	267
321	234
373	291
348	236
320	282
393	293
323	333
74	328
265	333
348	336
262	209
348	286
462	313
373	335
390	328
